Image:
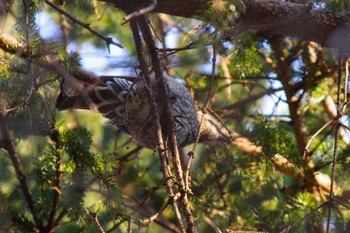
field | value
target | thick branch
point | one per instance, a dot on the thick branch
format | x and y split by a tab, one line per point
272	16
279	161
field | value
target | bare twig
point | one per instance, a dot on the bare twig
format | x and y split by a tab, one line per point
251	98
148	220
341	203
154	109
130	221
174	50
287	229
336	148
315	135
187	173
209	96
211	224
108	40
213	70
140	12
138	207
147	35
94	218
346	82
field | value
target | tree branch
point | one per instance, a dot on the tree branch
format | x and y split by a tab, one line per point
272	16
169	121
9	147
108	40
154	109
58	172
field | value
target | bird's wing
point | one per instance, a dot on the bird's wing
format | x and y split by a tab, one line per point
87	91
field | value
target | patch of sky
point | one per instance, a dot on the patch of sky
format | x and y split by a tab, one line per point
48	29
99	61
274	104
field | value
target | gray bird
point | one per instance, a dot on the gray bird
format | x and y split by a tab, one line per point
123	101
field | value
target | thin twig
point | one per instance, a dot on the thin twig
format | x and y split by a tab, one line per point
207	104
251	98
290	226
341	203
148	220
212	224
341	216
315	135
212	77
174	50
187	173
29	59
336	148
346	81
94	218
152	192
140	12
130	221
108	40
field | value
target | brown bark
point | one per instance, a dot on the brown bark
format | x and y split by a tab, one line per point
272	16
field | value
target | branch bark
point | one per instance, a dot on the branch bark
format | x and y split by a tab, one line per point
281	163
272	16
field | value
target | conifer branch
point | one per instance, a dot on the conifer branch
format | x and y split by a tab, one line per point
22	178
58	172
336	139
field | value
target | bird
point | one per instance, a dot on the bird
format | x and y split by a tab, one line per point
123	100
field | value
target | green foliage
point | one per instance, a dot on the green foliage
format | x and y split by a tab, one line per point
73	164
33	121
275	137
222	14
337	6
245	59
78	142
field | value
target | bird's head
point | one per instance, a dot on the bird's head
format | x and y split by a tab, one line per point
211	129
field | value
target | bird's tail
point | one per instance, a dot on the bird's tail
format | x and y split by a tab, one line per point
78	92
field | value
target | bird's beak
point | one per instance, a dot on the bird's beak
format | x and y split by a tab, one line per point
226	136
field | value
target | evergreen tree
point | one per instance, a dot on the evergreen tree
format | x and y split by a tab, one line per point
273	72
